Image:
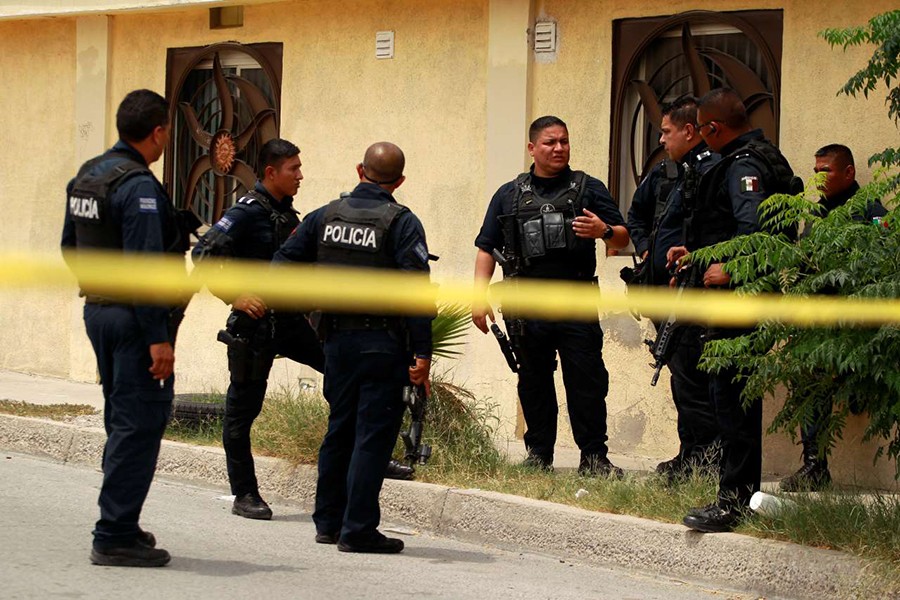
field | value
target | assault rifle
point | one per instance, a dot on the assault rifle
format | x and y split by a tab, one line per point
659	347
508	353
515	325
416	399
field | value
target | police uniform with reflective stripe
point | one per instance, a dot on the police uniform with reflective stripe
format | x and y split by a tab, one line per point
367	356
515	220
253	229
115	203
727	204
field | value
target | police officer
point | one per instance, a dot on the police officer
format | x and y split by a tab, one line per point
367	356
837	163
655	223
116	204
726	205
253	229
543	226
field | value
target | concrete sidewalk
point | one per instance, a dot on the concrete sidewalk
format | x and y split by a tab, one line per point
765	567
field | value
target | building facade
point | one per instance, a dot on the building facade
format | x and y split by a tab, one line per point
461	83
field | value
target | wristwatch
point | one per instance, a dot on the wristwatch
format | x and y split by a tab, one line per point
608	234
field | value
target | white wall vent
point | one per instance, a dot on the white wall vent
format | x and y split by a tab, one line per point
544	37
384	44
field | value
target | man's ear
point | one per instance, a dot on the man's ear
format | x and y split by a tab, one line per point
400	181
360	170
851	173
531	148
268	172
690	130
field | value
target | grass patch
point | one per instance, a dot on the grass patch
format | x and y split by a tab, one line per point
56	412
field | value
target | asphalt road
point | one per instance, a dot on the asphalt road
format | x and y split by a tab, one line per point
47	511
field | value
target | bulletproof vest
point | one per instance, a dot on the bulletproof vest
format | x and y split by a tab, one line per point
717	217
283	223
358	236
544	224
89	199
663	186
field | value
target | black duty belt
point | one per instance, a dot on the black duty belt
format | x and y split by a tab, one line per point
102	300
363	322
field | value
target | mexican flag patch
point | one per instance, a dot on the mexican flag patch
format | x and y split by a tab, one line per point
750	183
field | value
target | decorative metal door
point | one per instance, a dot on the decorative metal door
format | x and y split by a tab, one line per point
224	106
661	59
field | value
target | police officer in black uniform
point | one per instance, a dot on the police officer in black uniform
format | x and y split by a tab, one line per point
116	204
367	356
837	163
253	229
656	223
725	206
543	225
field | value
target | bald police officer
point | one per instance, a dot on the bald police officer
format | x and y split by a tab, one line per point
367	355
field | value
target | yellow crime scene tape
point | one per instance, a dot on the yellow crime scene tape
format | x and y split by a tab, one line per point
158	279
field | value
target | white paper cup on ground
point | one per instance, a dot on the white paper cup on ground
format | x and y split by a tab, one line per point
767	504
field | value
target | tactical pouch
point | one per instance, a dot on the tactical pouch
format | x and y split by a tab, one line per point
533	238
571	238
554	230
246	364
250	348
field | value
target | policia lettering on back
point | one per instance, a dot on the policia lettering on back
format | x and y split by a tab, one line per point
346	231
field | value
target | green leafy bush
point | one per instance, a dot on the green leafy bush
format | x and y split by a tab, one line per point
857	368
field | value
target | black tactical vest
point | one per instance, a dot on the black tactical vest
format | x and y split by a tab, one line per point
544	236
89	200
716	219
357	236
283	223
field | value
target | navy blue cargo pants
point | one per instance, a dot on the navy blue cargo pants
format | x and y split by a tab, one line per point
365	372
136	410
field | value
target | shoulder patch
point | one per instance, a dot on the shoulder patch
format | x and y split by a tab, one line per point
147	205
247	200
421	251
750	183
224	224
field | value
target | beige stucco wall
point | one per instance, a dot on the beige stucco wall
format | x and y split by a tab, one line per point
641	418
438	99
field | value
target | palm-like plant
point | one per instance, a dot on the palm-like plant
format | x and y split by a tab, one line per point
448	328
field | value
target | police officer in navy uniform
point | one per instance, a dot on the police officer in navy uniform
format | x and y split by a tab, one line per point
367	356
726	205
253	229
544	224
117	205
656	223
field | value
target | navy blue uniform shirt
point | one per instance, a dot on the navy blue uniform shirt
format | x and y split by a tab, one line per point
596	199
735	190
670	229
141	206
406	240
249	227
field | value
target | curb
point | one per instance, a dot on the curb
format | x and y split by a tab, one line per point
754	565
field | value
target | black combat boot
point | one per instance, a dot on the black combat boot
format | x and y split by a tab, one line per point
597	465
813	476
251	506
538	461
397	470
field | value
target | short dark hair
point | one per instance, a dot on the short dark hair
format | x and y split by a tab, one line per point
681	110
840	152
273	153
140	112
543	123
725	106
